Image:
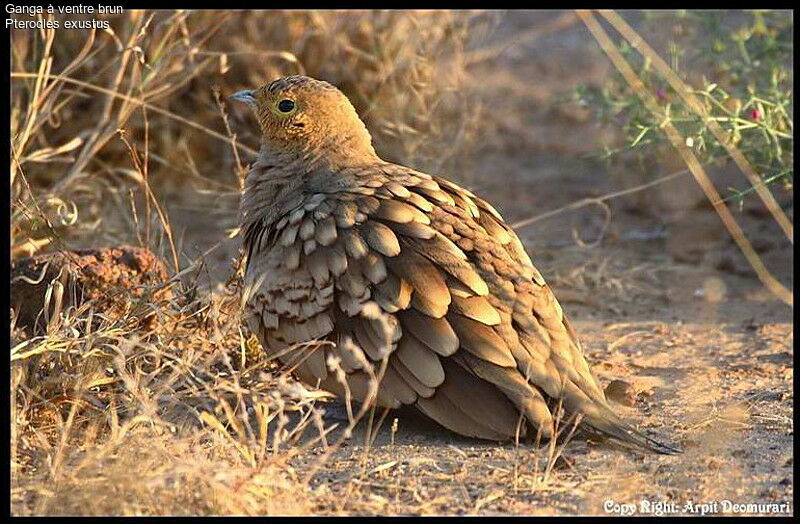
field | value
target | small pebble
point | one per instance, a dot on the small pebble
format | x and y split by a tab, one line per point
621	392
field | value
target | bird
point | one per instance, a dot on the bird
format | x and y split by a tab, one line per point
360	272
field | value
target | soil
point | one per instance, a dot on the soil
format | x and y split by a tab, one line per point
97	274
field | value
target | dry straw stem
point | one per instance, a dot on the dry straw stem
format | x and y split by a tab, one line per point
141	168
599	201
688	97
688	157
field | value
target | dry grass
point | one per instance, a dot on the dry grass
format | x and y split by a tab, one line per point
173	420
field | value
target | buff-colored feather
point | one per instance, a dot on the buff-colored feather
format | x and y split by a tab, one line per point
365	260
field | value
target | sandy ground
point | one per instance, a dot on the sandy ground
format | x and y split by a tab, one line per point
665	303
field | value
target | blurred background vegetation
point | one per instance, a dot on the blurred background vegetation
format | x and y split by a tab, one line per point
430	100
78	94
740	65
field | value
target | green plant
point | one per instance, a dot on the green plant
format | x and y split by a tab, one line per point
742	63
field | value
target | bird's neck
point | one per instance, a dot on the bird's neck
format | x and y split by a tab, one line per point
280	181
331	150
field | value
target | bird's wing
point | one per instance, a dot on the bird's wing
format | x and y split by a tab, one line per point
420	272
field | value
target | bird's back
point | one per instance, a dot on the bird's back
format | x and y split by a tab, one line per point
416	280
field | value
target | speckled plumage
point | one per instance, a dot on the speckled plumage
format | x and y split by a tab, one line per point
377	260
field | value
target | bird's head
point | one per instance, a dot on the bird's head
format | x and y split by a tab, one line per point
303	117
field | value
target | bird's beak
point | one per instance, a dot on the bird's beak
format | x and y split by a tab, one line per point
245	95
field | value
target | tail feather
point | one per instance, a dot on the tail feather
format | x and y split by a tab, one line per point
613	427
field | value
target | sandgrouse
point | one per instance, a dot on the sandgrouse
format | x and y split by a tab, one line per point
356	266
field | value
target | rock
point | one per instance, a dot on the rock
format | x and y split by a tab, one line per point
621	392
113	277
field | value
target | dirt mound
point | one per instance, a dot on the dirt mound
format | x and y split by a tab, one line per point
112	277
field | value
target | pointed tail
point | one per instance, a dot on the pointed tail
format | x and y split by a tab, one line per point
610	425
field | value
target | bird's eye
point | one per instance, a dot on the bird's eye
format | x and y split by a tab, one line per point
285	106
